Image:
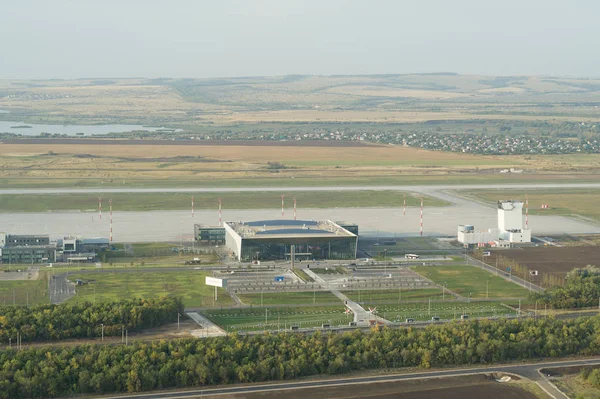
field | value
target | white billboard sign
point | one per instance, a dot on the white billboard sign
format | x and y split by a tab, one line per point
216	282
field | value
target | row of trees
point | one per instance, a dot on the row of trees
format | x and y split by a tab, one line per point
581	290
98	369
53	322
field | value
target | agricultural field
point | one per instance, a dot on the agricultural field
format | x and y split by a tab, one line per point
444	310
556	261
474	386
275	318
470	281
22	292
399	295
289	298
232	200
573	202
111	286
203	103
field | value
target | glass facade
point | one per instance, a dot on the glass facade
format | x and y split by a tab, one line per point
343	248
28	255
210	235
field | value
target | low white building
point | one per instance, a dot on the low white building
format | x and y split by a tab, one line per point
510	227
468	235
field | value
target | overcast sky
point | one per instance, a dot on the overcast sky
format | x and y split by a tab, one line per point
214	38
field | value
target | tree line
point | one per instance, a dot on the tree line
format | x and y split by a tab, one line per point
581	290
144	366
84	320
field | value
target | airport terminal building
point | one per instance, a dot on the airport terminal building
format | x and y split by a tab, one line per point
278	239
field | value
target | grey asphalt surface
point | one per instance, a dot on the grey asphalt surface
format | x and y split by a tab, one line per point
59	289
178	225
529	370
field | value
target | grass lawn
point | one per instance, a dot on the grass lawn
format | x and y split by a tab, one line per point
376	296
297	181
561	202
231	200
444	310
37	290
289	298
112	286
465	280
577	387
278	317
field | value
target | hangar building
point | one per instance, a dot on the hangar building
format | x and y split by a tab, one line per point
274	239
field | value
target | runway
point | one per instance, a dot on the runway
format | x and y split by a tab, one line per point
176	226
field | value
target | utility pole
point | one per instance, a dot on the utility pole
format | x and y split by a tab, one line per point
125	337
487	289
178	321
102	332
266	317
444	291
429	306
122	334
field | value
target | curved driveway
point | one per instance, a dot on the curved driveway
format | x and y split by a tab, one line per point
528	370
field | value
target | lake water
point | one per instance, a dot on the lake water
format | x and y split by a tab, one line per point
35	129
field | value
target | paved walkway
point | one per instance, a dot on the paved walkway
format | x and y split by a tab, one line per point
361	316
209	329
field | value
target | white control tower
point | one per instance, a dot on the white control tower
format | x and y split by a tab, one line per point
510	221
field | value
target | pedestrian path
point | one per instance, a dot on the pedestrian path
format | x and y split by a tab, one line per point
209	329
361	315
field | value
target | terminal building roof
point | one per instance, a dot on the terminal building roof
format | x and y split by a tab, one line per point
289	228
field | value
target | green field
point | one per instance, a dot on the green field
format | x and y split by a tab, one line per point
289	298
299	181
582	202
444	310
471	281
111	286
34	292
278	317
231	200
378	296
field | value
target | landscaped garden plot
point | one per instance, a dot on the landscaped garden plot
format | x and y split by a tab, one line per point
471	281
284	298
443	310
275	318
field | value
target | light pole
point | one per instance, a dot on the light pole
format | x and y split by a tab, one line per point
266	317
487	289
444	291
102	326
178	321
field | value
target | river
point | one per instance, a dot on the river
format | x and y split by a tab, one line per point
35	129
